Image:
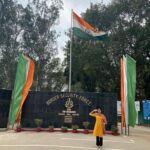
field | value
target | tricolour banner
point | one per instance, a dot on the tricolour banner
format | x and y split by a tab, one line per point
23	82
128	89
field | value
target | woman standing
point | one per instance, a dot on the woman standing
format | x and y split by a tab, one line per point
99	127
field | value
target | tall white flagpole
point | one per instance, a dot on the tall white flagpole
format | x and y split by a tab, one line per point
70	68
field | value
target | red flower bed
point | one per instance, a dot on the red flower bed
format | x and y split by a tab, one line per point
85	131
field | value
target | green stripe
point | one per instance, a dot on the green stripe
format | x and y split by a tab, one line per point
131	88
83	35
18	88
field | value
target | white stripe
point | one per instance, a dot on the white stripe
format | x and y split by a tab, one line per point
141	134
112	141
2	135
85	29
28	66
125	91
72	147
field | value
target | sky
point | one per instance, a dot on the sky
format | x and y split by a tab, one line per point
65	18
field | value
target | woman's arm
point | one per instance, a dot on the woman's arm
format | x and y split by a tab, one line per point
105	120
93	113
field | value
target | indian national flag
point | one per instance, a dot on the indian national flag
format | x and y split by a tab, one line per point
85	31
23	82
128	88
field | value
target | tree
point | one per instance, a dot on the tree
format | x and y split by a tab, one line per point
10	14
96	65
29	30
39	38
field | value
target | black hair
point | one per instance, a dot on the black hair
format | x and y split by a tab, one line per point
97	107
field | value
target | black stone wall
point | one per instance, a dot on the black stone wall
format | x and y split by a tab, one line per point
52	109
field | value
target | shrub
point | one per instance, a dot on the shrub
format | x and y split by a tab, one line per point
51	127
114	128
75	127
38	122
18	128
64	129
86	124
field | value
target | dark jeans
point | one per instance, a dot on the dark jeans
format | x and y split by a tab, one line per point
99	141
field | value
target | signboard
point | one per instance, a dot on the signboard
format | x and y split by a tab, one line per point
137	106
146	109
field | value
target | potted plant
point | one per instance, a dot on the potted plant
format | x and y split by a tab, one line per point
51	128
64	129
86	125
75	128
114	130
18	128
38	123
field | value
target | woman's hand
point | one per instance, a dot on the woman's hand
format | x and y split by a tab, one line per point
93	111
